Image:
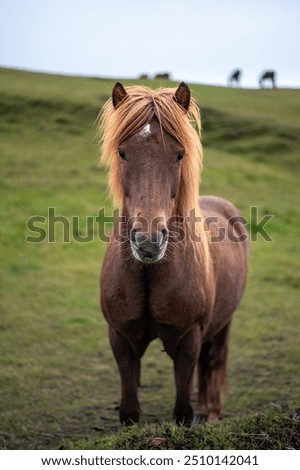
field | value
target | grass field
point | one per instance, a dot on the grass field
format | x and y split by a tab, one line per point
59	382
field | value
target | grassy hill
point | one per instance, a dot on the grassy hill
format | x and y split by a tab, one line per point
59	382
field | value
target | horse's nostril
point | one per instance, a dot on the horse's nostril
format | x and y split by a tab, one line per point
133	234
164	233
137	237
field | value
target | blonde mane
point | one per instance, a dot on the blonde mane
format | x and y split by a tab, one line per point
139	106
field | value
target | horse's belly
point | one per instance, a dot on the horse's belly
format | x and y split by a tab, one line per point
229	246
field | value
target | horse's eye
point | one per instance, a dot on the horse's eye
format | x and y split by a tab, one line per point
180	156
122	154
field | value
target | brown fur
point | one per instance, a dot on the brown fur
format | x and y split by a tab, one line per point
188	293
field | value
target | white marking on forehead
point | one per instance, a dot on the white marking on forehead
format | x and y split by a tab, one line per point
145	131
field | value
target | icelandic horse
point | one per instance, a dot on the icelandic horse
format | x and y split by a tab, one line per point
176	264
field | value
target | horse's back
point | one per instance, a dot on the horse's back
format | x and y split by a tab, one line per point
223	213
225	224
214	205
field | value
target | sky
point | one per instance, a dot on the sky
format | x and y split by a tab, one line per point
198	41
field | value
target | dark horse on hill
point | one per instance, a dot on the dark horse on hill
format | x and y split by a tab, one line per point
235	77
176	265
269	75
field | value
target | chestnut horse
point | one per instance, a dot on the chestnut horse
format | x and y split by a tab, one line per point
176	265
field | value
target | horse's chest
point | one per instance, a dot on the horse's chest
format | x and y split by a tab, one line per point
154	299
176	307
160	305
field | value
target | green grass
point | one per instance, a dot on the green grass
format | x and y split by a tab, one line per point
59	382
274	428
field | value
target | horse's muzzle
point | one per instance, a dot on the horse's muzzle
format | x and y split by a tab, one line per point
148	248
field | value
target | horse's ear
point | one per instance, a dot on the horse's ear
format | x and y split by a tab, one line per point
183	96
118	94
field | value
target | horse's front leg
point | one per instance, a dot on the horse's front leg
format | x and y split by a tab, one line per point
129	367
186	357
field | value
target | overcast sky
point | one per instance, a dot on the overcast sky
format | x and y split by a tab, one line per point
199	41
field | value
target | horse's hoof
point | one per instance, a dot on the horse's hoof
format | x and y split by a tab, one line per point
184	418
129	419
213	417
199	419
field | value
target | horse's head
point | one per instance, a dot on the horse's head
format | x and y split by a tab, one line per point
150	171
